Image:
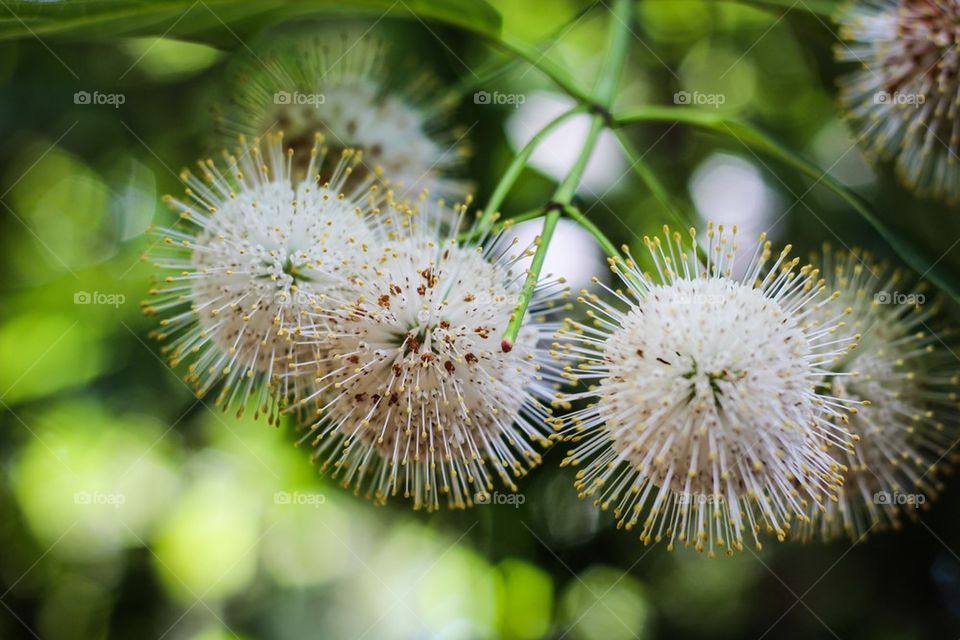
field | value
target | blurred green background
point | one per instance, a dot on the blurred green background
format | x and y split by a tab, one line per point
129	509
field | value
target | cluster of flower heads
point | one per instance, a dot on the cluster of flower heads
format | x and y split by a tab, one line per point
348	86
781	401
708	404
904	100
330	295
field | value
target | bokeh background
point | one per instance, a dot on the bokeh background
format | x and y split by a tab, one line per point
129	509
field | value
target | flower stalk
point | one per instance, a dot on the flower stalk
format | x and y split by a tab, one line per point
755	139
515	168
605	93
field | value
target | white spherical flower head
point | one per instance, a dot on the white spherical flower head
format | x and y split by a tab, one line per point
910	381
342	84
252	252
705	424
420	397
903	101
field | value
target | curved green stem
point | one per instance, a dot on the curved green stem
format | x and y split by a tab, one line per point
491	70
605	92
480	78
822	8
605	243
753	138
516	167
557	74
568	187
646	174
533	275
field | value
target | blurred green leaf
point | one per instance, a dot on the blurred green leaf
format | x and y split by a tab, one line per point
56	182
46	353
603	603
527	600
107	479
218	21
207	544
167	58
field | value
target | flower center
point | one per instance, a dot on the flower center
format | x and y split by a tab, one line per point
700	381
295	271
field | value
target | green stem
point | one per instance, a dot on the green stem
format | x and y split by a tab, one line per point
609	80
823	8
557	74
755	139
608	247
533	275
646	173
515	168
491	70
568	187
605	93
479	79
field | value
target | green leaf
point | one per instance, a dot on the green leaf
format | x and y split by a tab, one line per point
946	279
218	21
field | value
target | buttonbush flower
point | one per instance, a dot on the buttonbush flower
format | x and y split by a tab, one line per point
909	380
705	424
903	102
344	85
252	251
418	397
